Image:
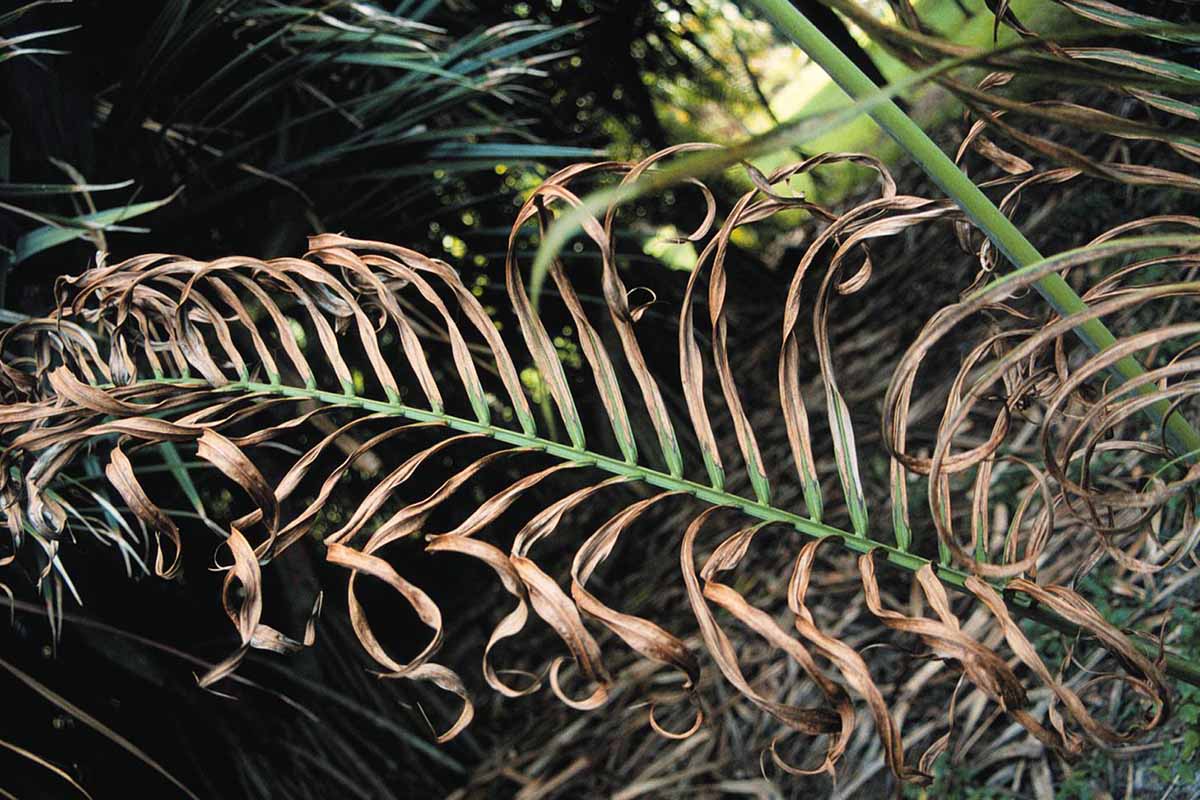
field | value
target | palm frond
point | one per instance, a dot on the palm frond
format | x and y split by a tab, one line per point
223	360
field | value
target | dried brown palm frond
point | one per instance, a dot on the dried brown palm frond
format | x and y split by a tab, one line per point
223	359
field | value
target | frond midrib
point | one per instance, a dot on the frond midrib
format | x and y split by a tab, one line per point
583	457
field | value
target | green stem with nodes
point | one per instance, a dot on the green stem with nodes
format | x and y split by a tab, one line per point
1180	668
969	197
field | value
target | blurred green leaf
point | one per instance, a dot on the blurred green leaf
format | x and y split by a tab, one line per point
46	237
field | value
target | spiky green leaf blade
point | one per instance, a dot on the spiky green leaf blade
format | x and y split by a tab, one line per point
44	238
